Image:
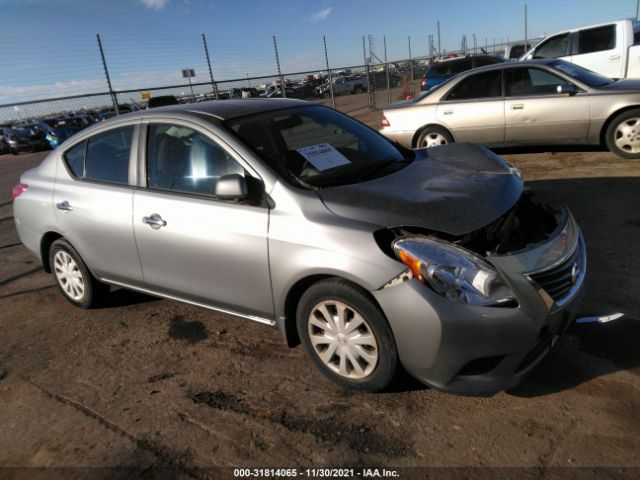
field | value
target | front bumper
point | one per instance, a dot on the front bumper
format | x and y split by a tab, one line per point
481	350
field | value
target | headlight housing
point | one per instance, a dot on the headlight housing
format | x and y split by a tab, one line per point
454	273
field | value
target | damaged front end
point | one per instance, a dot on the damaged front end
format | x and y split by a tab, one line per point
483	267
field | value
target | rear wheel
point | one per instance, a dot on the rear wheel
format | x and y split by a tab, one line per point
433	136
346	335
73	278
623	134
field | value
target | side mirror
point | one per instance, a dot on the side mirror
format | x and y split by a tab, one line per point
231	187
567	89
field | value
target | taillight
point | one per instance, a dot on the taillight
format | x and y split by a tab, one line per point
424	82
17	190
385	122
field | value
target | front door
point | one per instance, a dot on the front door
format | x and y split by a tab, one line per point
536	113
192	245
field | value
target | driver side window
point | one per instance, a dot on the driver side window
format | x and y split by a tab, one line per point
554	47
180	159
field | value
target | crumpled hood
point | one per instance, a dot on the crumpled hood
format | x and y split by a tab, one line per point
454	189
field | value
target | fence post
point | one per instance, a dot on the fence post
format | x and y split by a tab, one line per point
526	27
386	68
413	83
282	86
366	66
114	99
206	54
326	60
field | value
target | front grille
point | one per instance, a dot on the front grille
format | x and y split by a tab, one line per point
559	280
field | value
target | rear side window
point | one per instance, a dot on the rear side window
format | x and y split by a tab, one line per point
597	39
74	159
107	157
461	66
480	85
554	47
483	61
182	160
440	69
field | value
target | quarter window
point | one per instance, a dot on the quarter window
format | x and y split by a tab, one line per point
183	160
75	159
597	39
480	85
554	47
531	81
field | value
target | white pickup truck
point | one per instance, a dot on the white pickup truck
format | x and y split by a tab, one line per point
610	49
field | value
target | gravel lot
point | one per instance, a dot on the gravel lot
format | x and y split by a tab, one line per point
150	383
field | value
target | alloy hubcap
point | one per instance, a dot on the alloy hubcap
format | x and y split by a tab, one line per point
433	140
68	275
343	339
627	135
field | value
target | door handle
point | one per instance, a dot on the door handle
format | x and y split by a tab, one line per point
64	206
614	58
155	221
517	106
448	112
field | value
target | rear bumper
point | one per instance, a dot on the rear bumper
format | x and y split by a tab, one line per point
403	137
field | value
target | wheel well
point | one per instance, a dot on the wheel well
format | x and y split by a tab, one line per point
293	298
45	245
605	126
414	140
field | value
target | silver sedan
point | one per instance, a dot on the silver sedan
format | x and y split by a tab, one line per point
298	217
537	102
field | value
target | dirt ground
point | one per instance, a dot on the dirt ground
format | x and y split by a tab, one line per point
157	386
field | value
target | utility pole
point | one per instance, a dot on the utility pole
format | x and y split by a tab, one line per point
439	38
206	54
114	99
326	60
282	86
637	9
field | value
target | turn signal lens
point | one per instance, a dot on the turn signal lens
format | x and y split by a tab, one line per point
414	264
385	122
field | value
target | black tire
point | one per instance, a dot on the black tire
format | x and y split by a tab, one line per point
326	94
613	134
14	152
358	89
94	292
433	134
376	375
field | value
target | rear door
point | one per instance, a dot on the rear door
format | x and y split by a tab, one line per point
537	114
93	198
600	49
474	109
557	46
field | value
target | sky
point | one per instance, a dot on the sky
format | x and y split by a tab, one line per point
48	48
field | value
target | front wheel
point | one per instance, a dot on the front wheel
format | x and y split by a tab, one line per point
433	136
623	134
73	278
346	335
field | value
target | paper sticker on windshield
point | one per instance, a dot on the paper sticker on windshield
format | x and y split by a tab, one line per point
323	156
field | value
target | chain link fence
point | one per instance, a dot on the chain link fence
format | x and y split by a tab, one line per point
353	74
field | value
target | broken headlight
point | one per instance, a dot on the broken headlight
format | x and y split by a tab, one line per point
453	272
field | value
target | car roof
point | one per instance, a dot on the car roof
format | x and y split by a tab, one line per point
227	109
466	57
519	63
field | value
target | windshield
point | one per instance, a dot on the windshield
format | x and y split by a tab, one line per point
588	77
315	146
